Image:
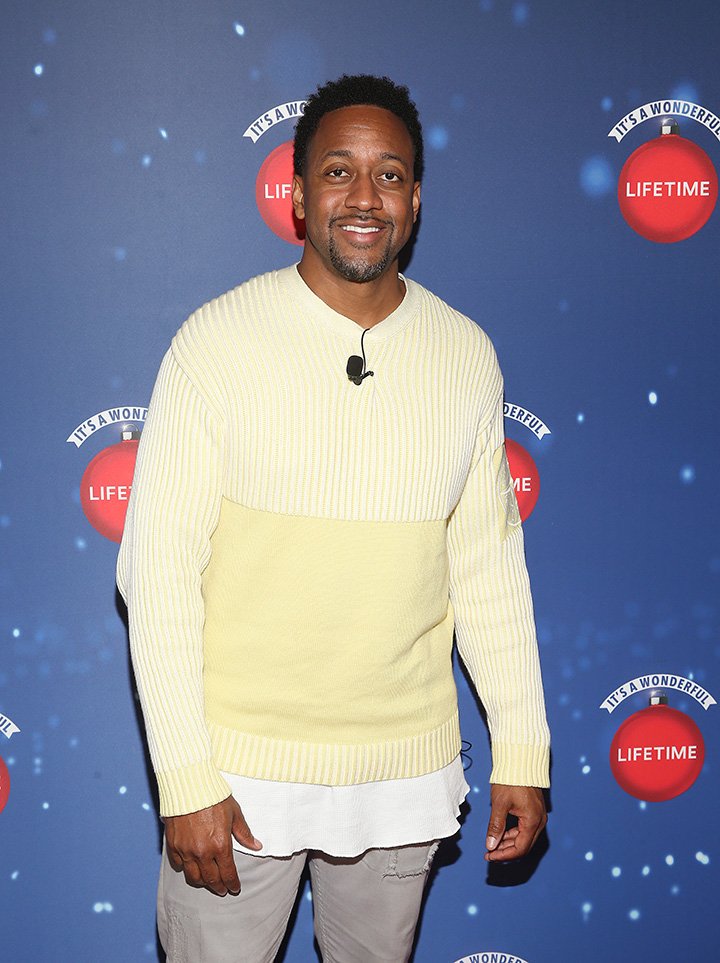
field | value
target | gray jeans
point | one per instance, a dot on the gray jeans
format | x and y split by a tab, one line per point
366	907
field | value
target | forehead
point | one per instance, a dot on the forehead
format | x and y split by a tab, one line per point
360	128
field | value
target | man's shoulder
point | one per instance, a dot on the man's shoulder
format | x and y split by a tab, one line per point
448	322
243	298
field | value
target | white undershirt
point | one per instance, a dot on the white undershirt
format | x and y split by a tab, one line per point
288	817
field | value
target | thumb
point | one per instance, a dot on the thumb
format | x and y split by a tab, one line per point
496	826
241	830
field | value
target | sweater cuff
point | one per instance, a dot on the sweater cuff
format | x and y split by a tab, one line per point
190	789
521	765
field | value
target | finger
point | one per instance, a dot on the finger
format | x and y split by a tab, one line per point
496	826
228	873
241	831
193	875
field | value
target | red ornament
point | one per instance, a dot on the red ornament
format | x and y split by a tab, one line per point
4	784
105	488
667	188
657	753
273	189
525	476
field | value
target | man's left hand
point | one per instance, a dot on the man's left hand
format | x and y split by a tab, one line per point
527	803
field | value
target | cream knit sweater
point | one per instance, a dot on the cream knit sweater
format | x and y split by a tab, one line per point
298	549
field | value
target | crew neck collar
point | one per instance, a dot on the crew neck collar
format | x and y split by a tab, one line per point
308	301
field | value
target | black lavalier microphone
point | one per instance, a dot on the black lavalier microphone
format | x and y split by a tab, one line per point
356	365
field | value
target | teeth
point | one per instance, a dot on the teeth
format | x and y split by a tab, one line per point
360	230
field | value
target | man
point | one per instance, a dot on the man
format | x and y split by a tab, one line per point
305	532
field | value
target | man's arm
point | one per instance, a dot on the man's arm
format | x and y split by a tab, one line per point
495	631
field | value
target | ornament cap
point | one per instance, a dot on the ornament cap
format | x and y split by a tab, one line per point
670	126
130	433
658	699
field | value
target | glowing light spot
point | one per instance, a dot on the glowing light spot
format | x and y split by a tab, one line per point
669	860
10	760
646	870
73	743
122	790
472	910
642	805
580	418
146	807
476	789
520	13
702	858
46	805
97	907
163	133
685	91
634	914
606	103
308	896
239	29
80	544
615	872
653	398
16	633
146	160
438	137
587	907
687	474
596	177
675	889
589	856
585	770
39	70
583	758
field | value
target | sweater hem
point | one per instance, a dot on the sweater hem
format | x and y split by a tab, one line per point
334	765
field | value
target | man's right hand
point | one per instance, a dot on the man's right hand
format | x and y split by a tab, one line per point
200	844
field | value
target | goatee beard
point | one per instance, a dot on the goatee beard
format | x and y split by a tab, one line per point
360	269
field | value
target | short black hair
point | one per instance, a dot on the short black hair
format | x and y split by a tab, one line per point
352	90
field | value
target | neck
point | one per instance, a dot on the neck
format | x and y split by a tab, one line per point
367	304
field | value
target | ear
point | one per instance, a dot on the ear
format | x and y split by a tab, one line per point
416	200
297	197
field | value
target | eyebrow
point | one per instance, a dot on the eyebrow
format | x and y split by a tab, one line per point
386	155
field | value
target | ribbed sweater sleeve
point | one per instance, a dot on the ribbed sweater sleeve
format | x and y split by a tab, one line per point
173	510
490	594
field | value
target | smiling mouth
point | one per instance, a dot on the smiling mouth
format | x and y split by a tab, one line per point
354	229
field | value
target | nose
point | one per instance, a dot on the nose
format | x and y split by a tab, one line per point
363	194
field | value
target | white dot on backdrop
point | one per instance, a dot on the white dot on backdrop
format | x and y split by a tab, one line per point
308	896
146	160
585	770
239	29
652	397
46	805
472	910
15	873
687	474
675	889
145	806
589	856
702	858
39	70
586	907
646	870
438	137
670	860
16	633
580	417
615	872
80	544
122	790
163	133
634	914
642	804
606	103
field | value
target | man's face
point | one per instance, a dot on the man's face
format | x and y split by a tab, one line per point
357	194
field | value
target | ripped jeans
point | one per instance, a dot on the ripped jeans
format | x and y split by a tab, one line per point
365	907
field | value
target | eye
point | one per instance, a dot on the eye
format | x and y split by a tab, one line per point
336	172
390	177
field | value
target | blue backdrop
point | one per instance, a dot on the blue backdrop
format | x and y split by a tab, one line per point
129	200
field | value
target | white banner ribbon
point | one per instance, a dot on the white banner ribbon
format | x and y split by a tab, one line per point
527	418
666	108
111	416
290	111
658	681
491	957
7	726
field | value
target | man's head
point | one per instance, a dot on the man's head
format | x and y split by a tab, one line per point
350	91
358	153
